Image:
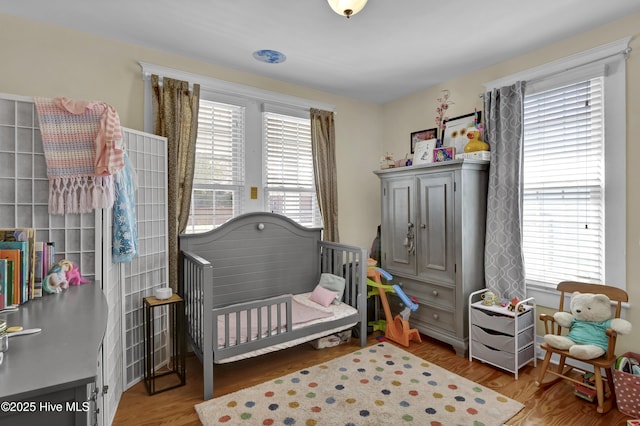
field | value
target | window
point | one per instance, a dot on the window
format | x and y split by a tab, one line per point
290	188
253	151
564	184
218	181
223	151
571	180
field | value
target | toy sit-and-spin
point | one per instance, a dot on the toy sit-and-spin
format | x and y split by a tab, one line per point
396	329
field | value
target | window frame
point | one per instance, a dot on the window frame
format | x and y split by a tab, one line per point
574	93
570	69
291	116
238	186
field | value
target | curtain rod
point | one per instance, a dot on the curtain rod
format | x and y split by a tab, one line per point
625	52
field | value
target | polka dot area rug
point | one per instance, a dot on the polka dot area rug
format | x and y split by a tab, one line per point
378	385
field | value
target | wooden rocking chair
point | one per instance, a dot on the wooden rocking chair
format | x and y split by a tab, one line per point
605	395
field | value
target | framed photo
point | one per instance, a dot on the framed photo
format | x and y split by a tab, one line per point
423	135
446	153
424	151
455	131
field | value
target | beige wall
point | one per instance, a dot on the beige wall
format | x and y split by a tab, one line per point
417	112
41	60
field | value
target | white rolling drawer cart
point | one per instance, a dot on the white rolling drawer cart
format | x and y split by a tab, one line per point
500	337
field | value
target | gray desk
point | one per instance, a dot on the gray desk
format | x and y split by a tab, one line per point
56	367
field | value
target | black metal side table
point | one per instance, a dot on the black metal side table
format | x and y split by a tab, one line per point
174	373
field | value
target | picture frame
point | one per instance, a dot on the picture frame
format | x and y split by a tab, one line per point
455	134
424	151
423	135
446	153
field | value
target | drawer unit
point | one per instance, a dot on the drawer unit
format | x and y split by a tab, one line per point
499	319
503	359
501	337
502	342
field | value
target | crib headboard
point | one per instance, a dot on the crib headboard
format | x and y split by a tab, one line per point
258	255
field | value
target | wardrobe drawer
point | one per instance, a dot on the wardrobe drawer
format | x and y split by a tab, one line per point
434	317
428	293
500	322
499	341
502	359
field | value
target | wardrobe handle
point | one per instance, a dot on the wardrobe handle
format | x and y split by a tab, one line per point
423	226
436	317
435	293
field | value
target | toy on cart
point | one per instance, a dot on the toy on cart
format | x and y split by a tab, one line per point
396	329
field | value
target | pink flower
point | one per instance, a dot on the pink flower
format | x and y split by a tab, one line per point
440	110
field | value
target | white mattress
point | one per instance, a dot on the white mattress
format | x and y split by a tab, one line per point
340	310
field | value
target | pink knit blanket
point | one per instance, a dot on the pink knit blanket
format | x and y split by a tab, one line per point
82	143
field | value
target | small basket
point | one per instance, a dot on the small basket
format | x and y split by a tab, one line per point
627	389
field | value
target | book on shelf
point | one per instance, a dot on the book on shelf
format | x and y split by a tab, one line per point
23	247
15	275
3	284
27	235
38	274
49	258
8	298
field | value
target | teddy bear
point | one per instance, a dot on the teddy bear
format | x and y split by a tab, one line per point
588	322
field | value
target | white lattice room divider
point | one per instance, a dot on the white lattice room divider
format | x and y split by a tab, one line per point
148	270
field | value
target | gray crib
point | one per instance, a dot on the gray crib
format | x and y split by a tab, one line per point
256	260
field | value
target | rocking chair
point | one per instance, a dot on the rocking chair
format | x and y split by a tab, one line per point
605	395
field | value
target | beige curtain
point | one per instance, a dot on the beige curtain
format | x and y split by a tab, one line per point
175	109
323	145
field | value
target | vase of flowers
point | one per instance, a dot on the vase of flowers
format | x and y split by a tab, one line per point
441	117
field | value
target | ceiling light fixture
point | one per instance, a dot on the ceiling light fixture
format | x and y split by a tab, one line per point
347	7
269	56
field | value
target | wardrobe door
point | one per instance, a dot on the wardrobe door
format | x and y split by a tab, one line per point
435	228
398	228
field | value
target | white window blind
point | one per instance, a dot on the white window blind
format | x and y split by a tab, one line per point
218	182
290	186
563	200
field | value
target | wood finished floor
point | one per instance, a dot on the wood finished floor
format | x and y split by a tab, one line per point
555	406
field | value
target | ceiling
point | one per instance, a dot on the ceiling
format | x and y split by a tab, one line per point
390	49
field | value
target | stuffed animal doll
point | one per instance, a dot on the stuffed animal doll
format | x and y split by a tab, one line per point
56	279
475	144
75	277
588	322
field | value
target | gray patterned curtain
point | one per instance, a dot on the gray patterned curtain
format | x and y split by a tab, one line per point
323	145
503	258
175	110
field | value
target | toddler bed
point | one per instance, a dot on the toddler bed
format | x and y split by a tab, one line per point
252	286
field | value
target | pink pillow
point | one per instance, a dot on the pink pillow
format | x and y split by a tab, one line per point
323	296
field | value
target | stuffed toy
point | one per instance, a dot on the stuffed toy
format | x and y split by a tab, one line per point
588	322
475	144
56	278
75	277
